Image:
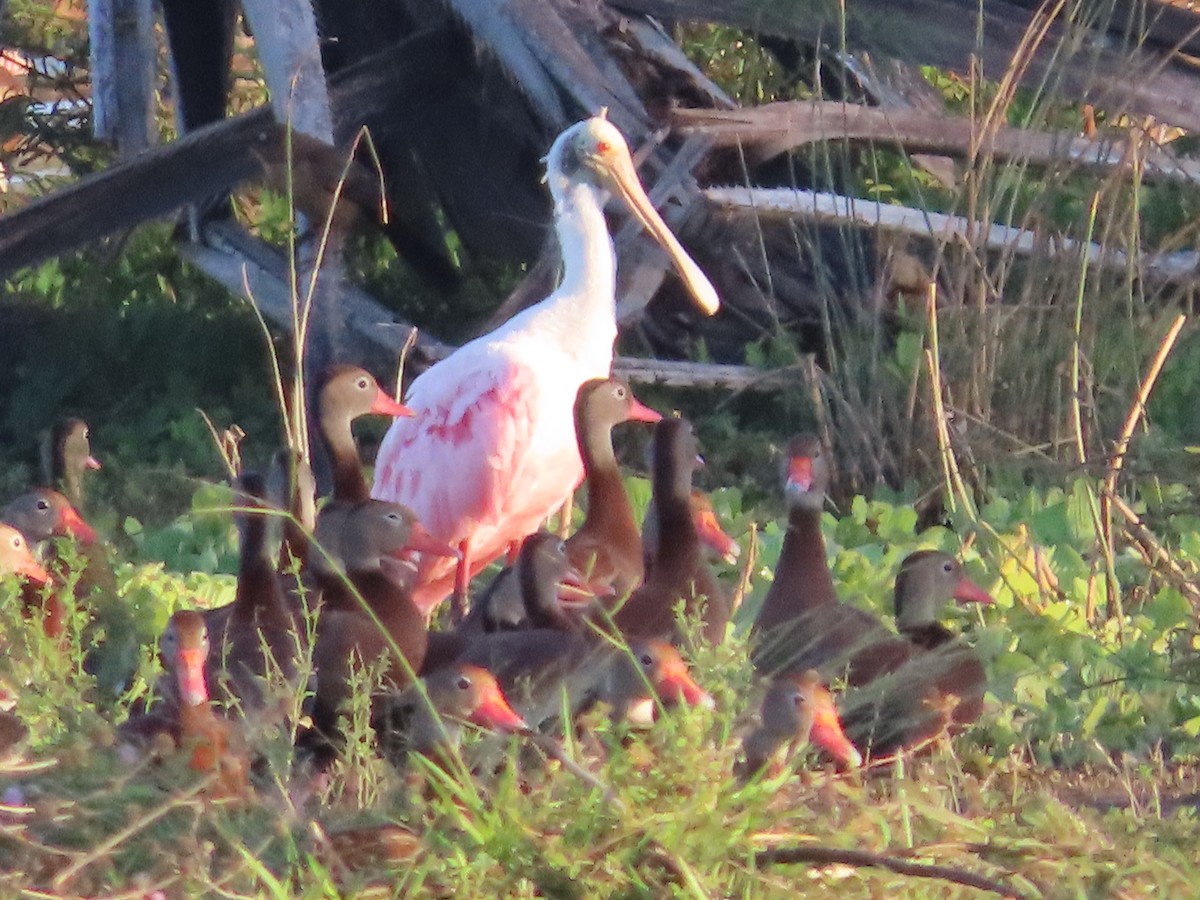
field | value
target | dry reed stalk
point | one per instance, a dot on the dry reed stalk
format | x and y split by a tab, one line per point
1137	411
952	475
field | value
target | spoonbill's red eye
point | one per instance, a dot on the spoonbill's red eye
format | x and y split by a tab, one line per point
603	147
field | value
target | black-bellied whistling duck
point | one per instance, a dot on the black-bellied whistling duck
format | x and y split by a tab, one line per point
366	545
68	457
535	667
680	572
633	684
708	527
607	548
926	582
941	685
802	624
44	513
457	694
206	735
527	594
796	709
344	394
17	559
256	636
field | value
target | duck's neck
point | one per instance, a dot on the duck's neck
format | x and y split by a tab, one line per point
608	508
583	305
927	636
802	578
349	484
258	588
70	476
677	550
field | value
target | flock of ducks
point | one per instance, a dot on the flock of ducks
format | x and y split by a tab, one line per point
487	444
600	618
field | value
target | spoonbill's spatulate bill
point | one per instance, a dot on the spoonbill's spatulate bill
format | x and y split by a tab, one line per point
491	449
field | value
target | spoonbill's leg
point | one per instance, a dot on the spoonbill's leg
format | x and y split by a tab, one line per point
462	583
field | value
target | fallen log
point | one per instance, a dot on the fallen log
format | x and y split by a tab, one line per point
774	128
1182	266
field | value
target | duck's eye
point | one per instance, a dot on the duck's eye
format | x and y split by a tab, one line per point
798	699
620	392
646	660
463	683
392	517
361	384
947	567
17	542
43	505
560	548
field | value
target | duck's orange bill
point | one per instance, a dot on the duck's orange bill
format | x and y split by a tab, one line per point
384	405
420	539
713	535
190	672
31	569
574	589
493	710
828	735
968	591
73	523
640	412
92	463
799	475
675	684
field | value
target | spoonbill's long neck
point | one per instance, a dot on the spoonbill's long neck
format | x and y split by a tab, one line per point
584	304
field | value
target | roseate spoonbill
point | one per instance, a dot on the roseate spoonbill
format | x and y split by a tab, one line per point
491	451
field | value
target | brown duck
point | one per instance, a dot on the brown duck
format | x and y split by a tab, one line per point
802	624
796	709
345	393
208	737
257	636
679	572
607	548
364	572
432	724
939	689
68	458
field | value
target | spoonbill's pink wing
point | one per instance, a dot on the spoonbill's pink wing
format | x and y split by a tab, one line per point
480	460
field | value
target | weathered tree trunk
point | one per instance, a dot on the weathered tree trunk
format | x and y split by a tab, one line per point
123	68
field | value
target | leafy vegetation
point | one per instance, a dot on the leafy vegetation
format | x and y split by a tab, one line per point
1070	785
1079	779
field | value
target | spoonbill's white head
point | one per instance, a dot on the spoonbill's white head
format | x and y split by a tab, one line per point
594	152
